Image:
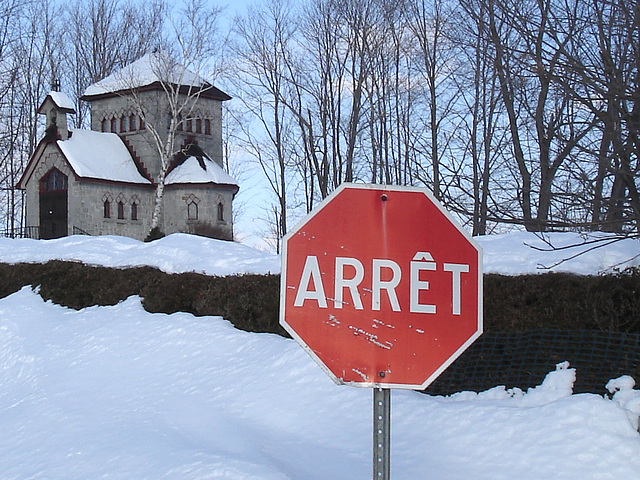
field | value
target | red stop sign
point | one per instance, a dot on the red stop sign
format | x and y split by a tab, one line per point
381	286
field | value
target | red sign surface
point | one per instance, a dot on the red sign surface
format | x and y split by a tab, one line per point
381	286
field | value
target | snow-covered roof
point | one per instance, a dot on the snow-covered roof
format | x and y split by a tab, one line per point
151	68
101	156
62	100
191	171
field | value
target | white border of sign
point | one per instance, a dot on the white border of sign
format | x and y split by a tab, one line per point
454	222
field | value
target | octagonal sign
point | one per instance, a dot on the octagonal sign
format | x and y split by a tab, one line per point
381	286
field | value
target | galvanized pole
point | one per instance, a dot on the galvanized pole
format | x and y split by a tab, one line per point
381	433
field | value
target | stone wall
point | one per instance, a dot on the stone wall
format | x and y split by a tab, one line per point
117	113
188	207
87	208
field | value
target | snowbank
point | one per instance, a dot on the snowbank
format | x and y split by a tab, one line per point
509	254
175	253
119	393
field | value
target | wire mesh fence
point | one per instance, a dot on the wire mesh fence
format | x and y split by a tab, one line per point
522	359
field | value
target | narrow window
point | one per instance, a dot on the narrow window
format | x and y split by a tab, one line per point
142	126
207	126
123	124
113	125
180	125
106	209
192	207
189	125
105	125
132	123
192	211
120	210
220	212
198	125
134	211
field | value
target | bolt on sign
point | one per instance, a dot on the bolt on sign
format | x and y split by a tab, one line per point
381	286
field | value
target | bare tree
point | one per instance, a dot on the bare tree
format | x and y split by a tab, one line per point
30	49
264	45
107	35
430	22
604	69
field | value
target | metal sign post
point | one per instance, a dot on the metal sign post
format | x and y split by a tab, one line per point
381	433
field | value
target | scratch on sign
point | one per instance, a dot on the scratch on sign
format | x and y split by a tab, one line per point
370	337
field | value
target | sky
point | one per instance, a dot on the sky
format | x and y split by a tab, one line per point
117	392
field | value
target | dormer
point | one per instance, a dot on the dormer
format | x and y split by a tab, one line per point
56	106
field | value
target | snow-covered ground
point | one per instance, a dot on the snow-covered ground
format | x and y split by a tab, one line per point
508	254
119	393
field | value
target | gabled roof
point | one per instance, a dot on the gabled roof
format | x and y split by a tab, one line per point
91	155
192	171
104	156
193	166
60	100
101	156
151	71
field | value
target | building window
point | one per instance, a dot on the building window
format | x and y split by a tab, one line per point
189	125
123	124
104	125
134	207
220	212
113	125
192	207
142	126
106	205
198	125
120	210
132	123
180	125
55	181
207	126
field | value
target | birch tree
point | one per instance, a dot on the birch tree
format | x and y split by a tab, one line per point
191	50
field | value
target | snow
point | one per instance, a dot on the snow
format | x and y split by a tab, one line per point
117	392
508	254
101	156
176	253
191	172
151	68
583	254
62	100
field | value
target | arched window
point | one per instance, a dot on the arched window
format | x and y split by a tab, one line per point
123	124
134	207
54	181
113	125
132	123
192	207
220	212
106	205
198	125
207	126
104	125
121	210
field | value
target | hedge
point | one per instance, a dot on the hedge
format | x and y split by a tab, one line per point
251	302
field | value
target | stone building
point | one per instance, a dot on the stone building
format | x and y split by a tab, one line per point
103	181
